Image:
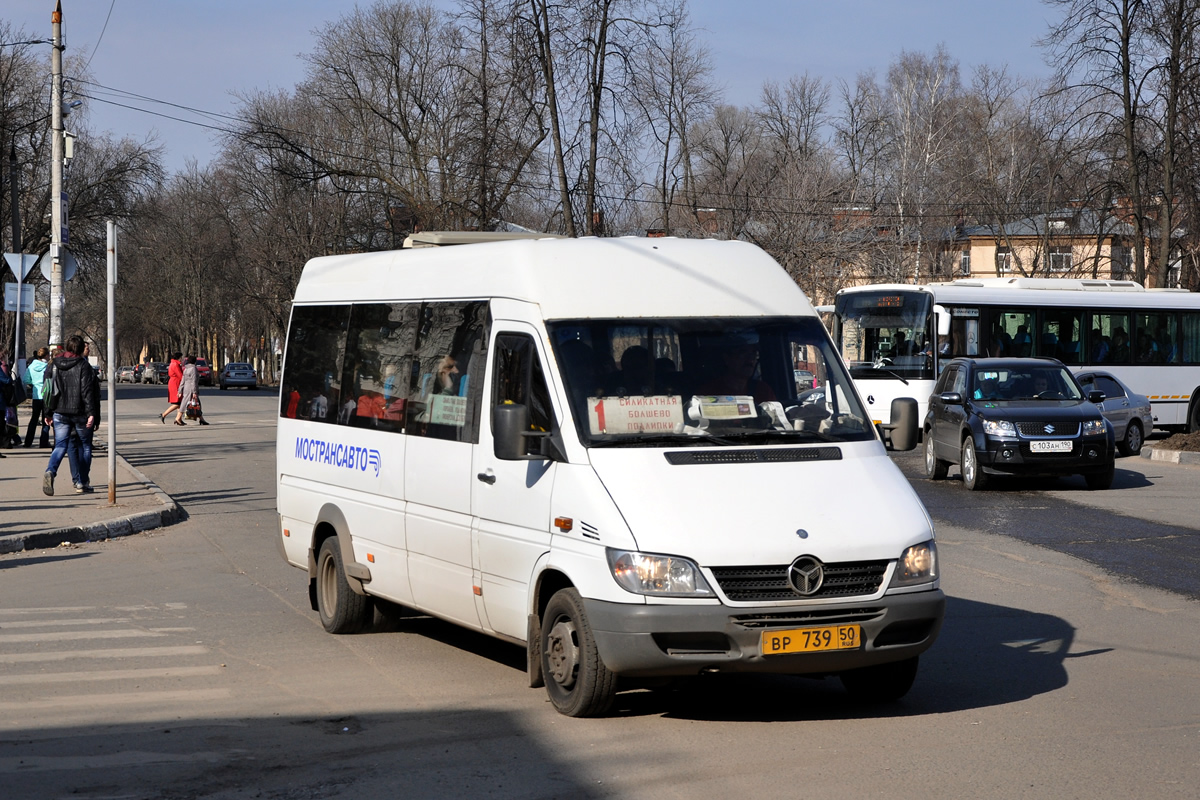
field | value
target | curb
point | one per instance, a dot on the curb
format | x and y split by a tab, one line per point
131	524
1171	456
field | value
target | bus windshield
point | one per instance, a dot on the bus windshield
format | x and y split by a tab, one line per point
722	381
886	333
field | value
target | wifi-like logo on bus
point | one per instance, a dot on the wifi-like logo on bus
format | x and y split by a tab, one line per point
374	461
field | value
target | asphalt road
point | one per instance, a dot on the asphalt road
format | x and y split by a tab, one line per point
1146	528
186	663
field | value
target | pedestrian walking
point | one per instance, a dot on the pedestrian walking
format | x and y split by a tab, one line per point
35	377
6	398
74	409
189	393
174	377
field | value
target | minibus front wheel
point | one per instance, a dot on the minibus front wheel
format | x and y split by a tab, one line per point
341	609
578	683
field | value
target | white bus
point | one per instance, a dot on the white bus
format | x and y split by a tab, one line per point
895	337
610	452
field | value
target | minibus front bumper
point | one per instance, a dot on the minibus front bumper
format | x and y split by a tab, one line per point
669	640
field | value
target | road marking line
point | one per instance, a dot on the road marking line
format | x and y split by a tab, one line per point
115	652
59	610
114	675
42	623
66	636
85	701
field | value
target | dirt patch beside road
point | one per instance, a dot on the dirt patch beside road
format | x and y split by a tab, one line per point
1187	442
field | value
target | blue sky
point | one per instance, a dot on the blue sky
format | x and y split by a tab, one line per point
198	53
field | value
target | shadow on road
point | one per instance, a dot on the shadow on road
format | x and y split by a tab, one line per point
986	655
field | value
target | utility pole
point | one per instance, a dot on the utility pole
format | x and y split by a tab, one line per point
56	179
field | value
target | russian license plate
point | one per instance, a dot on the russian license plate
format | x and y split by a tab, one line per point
1060	446
811	640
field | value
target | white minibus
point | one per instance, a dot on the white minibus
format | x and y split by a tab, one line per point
603	451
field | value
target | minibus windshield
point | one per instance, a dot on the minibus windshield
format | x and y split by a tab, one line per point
724	381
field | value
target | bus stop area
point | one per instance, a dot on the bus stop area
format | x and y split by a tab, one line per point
30	520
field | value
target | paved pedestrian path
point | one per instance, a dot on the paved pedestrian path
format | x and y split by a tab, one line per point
29	520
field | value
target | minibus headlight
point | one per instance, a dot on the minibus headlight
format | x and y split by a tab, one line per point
999	427
918	564
645	573
1093	427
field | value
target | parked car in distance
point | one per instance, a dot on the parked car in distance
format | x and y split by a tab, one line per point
1016	416
1128	411
238	374
125	375
204	372
156	372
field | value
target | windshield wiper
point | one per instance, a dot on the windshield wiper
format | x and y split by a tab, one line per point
875	368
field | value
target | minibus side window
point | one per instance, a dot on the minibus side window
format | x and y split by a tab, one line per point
378	364
520	380
444	391
312	374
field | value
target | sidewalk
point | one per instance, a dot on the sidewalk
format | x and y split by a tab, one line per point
29	520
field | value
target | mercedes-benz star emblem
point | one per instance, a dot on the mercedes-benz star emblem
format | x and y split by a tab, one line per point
805	575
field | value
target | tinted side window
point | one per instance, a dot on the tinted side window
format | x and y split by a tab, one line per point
1110	387
447	369
378	364
520	380
958	382
312	384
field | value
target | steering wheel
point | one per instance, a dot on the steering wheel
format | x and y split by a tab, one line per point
1050	395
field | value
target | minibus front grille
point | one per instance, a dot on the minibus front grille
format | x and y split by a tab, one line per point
770	583
800	617
761	455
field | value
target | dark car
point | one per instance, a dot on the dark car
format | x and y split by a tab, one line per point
238	374
1128	411
1016	416
203	372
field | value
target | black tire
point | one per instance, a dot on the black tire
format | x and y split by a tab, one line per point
935	468
1131	443
1193	425
882	683
223	387
578	683
1100	480
974	478
342	610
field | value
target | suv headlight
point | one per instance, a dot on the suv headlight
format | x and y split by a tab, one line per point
1093	427
645	573
999	427
918	564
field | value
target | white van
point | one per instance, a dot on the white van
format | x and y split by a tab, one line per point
598	449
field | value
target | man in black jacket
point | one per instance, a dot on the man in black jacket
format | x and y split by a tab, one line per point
76	413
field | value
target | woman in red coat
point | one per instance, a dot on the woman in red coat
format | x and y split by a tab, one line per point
175	375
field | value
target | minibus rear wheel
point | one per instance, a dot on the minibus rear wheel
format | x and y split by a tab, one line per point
881	683
578	683
341	609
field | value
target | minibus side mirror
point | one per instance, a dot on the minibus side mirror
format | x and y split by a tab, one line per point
942	317
510	435
901	432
